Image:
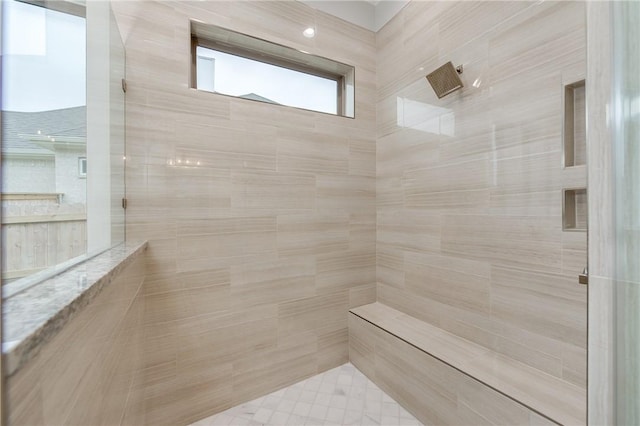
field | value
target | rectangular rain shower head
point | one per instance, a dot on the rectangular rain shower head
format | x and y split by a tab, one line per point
445	80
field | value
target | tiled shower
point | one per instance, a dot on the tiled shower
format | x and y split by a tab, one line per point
453	212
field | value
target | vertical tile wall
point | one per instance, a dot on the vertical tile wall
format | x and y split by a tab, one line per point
469	187
602	332
613	212
256	254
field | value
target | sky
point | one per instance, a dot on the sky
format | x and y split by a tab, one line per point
43	58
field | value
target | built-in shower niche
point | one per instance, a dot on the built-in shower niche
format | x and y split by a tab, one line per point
574	209
575	146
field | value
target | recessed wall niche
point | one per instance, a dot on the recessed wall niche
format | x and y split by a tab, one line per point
575	146
574	209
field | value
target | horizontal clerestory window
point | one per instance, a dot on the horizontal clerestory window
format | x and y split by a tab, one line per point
235	64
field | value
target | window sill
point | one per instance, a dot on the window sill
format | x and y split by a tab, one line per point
33	317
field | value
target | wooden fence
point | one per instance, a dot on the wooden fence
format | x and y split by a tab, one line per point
39	232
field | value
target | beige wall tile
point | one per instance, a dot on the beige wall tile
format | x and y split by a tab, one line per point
524	242
189	402
362	295
353	194
440	393
84	374
345	270
574	365
362	157
257	373
362	345
275	230
273	282
273	191
409	230
221	337
310	152
536	419
313	233
563	401
390	266
425	276
426	392
469	187
333	345
550	315
312	313
479	405
271	234
362	229
24	395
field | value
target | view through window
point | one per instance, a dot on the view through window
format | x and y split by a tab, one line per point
43	138
250	79
235	64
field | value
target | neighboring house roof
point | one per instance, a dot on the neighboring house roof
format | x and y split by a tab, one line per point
20	129
255	97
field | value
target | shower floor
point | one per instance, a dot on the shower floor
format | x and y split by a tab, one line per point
341	396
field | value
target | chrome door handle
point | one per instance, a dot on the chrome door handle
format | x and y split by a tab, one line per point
583	278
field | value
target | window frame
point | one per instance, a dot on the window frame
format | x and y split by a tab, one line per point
236	49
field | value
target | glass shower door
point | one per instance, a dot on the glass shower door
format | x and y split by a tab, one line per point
117	130
105	129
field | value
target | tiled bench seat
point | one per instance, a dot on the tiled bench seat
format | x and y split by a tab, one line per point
445	379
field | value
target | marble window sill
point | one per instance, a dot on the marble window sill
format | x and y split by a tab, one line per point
34	316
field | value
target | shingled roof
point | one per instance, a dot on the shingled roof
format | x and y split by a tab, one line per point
58	123
255	97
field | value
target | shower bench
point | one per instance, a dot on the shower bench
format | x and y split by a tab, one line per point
444	379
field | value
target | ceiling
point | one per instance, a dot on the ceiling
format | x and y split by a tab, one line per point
370	14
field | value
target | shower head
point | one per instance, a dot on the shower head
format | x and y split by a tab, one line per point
445	79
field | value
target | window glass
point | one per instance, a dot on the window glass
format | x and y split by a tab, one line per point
246	78
43	137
